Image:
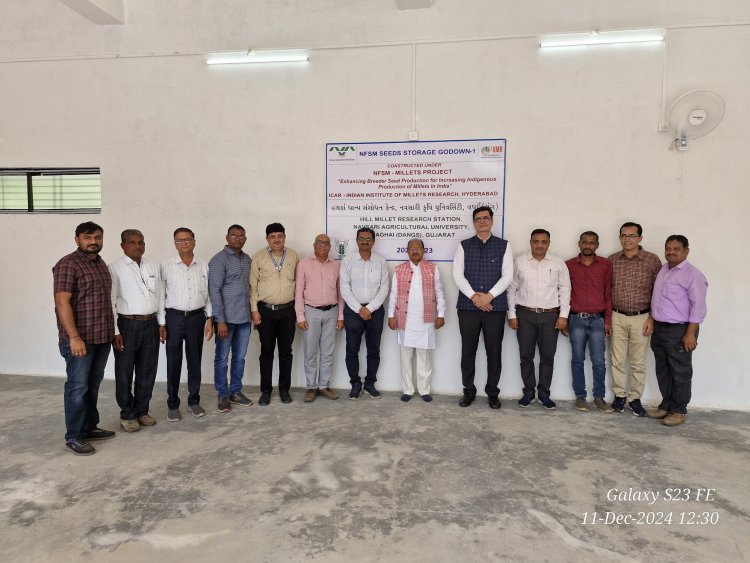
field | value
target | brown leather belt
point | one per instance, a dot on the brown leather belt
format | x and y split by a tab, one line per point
537	309
139	317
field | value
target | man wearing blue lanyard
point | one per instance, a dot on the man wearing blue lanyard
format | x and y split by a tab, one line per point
272	306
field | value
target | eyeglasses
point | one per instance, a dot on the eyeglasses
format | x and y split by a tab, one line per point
482	219
628	237
184	240
365	239
322	243
237	237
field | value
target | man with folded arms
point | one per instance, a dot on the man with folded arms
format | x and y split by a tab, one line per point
590	319
678	307
272	305
320	313
184	317
538	306
85	326
136	286
633	273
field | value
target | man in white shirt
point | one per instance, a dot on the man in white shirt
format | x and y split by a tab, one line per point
482	270
136	287
416	309
364	287
184	317
538	307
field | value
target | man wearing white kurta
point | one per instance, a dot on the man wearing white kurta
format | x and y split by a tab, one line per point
416	309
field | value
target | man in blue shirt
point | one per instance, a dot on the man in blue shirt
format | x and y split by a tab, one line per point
229	291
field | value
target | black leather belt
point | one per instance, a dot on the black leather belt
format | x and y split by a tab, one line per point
662	323
139	317
322	307
633	313
185	313
587	315
538	310
276	307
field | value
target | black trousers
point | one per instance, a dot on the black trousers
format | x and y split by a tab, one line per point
188	331
537	330
674	366
277	328
141	355
492	325
355	327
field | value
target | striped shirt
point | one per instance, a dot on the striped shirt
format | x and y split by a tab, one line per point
185	287
229	286
90	284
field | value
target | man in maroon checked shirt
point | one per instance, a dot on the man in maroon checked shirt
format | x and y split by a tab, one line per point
590	319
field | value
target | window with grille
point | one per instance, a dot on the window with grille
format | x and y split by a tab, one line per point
50	190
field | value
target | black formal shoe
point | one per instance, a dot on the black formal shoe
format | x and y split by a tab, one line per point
465	401
494	402
99	434
285	396
265	398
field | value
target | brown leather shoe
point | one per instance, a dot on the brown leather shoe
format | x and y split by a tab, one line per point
328	393
581	404
658	413
130	425
602	405
146	420
310	395
674	419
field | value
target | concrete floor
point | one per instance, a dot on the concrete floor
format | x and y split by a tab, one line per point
369	481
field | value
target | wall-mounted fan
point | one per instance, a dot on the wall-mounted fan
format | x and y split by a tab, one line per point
692	115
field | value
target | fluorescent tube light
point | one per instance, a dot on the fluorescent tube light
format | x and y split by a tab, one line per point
252	57
602	38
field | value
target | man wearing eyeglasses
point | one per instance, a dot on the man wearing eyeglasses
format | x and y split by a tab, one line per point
634	271
483	271
364	287
184	317
229	292
320	313
272	306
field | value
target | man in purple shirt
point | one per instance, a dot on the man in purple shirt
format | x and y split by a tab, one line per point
678	306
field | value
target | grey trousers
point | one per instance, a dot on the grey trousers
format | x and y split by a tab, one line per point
319	340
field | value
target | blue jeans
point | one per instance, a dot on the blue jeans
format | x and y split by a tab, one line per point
237	341
85	374
582	331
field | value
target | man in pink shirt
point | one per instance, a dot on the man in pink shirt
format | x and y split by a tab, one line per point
320	313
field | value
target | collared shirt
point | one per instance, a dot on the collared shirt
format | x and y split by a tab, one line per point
679	294
229	286
417	333
90	284
364	282
272	277
543	284
135	288
633	280
463	284
317	285
591	286
185	288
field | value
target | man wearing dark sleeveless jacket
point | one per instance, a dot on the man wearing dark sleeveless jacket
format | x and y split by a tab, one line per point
482	270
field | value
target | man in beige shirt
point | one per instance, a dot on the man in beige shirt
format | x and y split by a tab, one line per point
272	310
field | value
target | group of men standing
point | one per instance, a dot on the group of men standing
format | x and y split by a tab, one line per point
134	304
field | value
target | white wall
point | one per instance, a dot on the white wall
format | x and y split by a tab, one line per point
180	143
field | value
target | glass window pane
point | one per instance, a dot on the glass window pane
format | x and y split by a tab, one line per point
13	194
67	191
